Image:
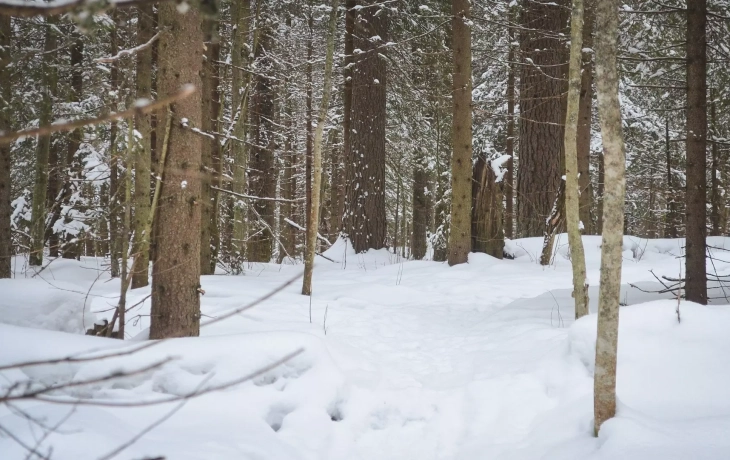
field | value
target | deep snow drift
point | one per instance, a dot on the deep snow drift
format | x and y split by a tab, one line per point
401	360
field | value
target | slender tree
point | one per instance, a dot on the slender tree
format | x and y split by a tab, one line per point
313	212
696	208
143	154
609	110
585	113
176	271
461	167
572	187
40	188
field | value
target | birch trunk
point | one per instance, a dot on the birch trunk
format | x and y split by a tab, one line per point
604	403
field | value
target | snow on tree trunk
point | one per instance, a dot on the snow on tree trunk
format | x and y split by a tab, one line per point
6	242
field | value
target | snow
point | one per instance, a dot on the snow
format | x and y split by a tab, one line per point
419	361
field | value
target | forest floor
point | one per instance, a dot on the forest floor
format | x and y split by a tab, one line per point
402	360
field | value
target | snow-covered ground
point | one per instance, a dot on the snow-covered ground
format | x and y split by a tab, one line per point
401	360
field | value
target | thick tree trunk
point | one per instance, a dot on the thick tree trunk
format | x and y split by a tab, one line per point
613	208
487	233
696	199
143	155
176	271
6	242
572	164
40	188
366	223
584	124
263	173
313	212
461	168
542	112
211	148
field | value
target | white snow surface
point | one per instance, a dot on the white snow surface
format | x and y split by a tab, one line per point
419	361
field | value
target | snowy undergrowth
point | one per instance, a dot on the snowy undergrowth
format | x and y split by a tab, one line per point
416	360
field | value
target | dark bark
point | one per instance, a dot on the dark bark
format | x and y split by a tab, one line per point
542	110
509	178
6	242
487	233
461	137
696	210
263	172
421	205
366	223
211	148
347	102
176	271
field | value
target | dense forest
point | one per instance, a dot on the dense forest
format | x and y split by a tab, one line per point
174	140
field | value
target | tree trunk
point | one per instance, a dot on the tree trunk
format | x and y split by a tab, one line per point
487	233
347	74
313	212
308	127
609	110
366	221
553	224
509	178
542	112
40	188
6	93
696	199
421	206
262	178
672	222
143	155
584	124
239	149
461	173
176	271
211	146
113	205
572	164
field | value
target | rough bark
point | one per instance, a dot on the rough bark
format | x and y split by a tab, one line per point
487	232
6	242
40	188
347	74
239	151
542	112
262	177
613	208
672	219
143	154
461	167
696	197
176	271
553	225
366	223
313	212
584	124
509	178
113	205
573	174
211	147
